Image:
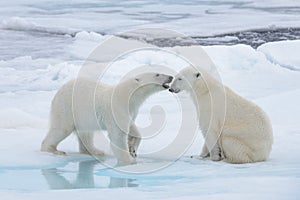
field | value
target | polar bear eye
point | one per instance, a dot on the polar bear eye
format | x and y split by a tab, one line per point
179	79
197	75
137	79
157	75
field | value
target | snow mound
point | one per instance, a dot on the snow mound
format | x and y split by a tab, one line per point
49	78
250	73
276	52
21	24
13	118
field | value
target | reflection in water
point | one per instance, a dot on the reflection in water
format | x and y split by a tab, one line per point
85	178
121	182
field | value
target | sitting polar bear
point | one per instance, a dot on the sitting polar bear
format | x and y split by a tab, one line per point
85	106
234	128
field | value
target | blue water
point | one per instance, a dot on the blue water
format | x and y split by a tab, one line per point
74	175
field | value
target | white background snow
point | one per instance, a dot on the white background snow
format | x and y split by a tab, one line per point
43	44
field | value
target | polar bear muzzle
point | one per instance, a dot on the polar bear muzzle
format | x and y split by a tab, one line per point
167	82
174	90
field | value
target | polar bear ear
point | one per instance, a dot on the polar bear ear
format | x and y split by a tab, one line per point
198	74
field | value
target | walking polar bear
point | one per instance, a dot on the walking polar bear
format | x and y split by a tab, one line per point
85	106
234	128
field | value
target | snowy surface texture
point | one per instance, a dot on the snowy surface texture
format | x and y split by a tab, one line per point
198	16
43	45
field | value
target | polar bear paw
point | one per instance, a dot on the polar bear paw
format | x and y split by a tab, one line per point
97	152
216	154
216	157
52	149
132	152
204	154
93	151
56	152
127	162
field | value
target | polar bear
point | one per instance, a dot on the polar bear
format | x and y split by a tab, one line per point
234	128
85	106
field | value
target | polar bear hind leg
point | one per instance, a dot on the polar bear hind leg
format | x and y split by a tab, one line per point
235	151
216	153
53	138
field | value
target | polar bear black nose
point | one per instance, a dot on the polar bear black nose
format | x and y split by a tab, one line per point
171	90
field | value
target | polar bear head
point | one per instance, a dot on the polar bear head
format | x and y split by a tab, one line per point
188	79
132	92
155	81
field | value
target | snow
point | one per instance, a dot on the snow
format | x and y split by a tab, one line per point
253	72
69	33
274	52
117	16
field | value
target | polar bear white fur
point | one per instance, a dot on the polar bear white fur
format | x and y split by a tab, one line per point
85	106
234	128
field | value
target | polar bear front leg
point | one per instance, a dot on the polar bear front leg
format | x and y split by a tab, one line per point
212	145
86	144
204	153
119	146
134	140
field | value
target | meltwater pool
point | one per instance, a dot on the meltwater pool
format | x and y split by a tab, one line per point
74	175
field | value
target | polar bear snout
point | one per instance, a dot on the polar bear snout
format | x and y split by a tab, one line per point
174	90
167	82
175	87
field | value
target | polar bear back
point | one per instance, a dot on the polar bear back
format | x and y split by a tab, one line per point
77	100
